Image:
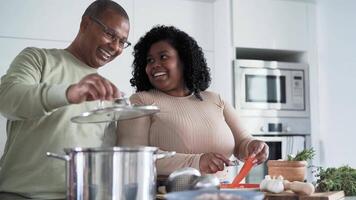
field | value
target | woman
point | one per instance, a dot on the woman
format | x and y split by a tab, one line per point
170	71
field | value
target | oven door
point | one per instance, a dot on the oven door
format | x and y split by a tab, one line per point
279	148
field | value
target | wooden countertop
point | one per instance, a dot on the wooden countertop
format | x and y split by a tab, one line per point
289	195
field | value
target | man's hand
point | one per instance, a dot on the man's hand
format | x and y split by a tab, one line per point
92	87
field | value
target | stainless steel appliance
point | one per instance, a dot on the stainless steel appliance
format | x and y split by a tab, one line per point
273	101
271	88
115	173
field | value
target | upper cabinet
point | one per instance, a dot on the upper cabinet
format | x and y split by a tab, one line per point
56	20
270	24
194	17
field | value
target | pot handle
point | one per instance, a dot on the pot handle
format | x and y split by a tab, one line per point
61	157
163	154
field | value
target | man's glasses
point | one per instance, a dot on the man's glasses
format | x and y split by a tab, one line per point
111	34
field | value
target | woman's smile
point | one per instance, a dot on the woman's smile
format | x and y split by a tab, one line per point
164	69
159	75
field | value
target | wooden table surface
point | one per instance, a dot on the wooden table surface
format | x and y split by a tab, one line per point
289	195
338	195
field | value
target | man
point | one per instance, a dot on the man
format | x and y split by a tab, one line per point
44	88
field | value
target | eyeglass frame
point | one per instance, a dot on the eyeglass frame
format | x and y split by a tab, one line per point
111	34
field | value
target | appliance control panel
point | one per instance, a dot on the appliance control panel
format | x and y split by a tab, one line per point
297	89
277	126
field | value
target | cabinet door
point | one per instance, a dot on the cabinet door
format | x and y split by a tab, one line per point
193	17
270	24
57	20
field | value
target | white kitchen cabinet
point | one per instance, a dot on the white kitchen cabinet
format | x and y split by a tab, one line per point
194	17
45	20
270	24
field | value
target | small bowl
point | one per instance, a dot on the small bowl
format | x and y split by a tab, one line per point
208	181
182	179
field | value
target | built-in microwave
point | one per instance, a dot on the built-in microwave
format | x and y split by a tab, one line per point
271	88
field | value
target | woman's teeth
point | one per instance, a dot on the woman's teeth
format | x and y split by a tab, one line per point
159	74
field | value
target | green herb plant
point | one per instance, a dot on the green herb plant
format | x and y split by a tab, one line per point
335	179
305	155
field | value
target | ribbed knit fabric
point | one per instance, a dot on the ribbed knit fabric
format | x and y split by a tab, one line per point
186	125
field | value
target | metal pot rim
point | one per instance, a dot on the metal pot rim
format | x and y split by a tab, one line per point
112	149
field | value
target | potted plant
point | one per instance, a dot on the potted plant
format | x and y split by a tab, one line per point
292	169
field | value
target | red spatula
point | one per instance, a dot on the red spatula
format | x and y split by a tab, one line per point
249	163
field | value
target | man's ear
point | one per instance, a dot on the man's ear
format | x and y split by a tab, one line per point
84	23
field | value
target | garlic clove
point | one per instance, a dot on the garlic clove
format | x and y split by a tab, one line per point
280	177
263	184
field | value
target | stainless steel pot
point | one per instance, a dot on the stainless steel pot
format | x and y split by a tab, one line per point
116	173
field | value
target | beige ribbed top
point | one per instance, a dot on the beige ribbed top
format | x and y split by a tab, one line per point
186	125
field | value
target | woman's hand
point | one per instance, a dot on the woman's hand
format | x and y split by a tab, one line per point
259	150
213	162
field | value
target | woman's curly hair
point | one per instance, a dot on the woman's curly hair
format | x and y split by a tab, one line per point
196	73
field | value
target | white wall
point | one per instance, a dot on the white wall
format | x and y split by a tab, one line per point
337	73
311	57
224	50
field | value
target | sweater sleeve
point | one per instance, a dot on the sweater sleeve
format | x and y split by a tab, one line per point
241	136
23	95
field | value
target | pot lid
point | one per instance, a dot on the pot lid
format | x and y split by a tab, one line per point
115	113
112	149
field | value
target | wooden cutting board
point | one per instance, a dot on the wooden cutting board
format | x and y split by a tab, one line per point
289	195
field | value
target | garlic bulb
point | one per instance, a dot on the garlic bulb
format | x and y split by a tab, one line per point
264	182
274	185
278	185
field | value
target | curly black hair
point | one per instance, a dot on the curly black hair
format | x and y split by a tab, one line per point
196	73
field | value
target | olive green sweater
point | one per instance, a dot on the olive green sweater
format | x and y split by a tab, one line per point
32	97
